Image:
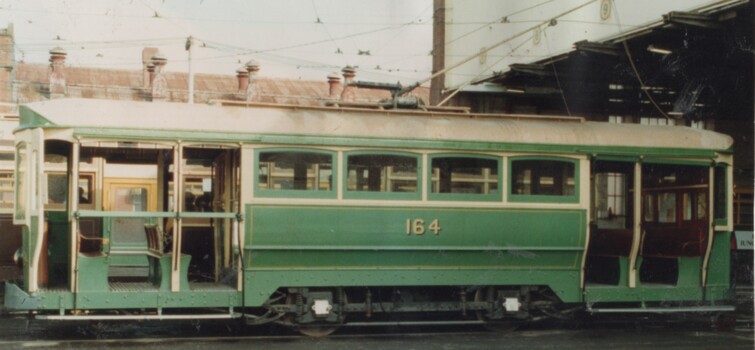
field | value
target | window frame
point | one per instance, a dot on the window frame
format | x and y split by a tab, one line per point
542	198
347	194
490	197
319	194
720	185
22	197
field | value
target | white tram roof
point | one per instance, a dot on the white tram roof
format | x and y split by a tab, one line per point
350	122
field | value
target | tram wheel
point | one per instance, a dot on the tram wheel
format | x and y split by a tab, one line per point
314	329
494	325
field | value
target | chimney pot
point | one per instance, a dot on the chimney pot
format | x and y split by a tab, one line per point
243	77
151	72
58	53
334	83
159	81
159	60
349	72
252	66
57	72
349	92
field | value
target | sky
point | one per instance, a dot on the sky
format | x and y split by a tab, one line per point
389	40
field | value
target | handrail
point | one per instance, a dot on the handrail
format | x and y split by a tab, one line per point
154	214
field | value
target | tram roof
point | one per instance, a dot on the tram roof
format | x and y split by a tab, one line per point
262	119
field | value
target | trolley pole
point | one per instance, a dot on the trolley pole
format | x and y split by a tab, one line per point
190	48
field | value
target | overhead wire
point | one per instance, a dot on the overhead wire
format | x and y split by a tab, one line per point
325	28
404	26
497	20
500	43
479	74
628	52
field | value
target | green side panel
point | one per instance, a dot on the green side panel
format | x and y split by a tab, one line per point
385	228
351	246
719	266
27	242
688	286
259	285
125	298
599	294
122	297
93	271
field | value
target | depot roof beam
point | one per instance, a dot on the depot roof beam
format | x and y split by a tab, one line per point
535	69
600	48
691	19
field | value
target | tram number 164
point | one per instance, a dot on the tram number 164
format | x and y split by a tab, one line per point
418	227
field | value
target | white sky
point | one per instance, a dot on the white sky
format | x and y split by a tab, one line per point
283	35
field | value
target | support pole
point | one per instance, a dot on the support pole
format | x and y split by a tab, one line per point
190	48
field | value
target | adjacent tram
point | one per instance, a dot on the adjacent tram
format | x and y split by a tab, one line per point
316	217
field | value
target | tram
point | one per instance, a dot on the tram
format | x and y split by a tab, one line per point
314	217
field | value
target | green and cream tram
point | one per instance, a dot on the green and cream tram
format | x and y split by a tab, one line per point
313	217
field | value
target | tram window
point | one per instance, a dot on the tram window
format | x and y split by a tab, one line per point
649	206
85	189
6	190
610	195
464	175
295	170
667	208
57	188
381	173
702	206
554	178
687	205
22	184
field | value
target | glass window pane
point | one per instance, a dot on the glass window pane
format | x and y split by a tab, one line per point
543	177
129	199
22	190
291	170
464	175
667	207
6	190
687	205
702	206
382	173
649	207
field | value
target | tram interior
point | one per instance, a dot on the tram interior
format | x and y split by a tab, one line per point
123	188
674	221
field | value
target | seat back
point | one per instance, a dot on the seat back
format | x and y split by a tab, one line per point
154	239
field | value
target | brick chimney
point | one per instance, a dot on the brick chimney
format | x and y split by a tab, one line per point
243	77
150	73
57	72
349	92
7	68
159	82
147	54
252	90
334	85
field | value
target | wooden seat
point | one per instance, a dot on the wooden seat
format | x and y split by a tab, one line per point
160	261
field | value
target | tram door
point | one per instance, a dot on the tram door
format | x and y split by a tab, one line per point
127	234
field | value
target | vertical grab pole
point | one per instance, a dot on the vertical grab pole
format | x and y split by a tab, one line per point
637	224
175	278
36	206
711	225
73	208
